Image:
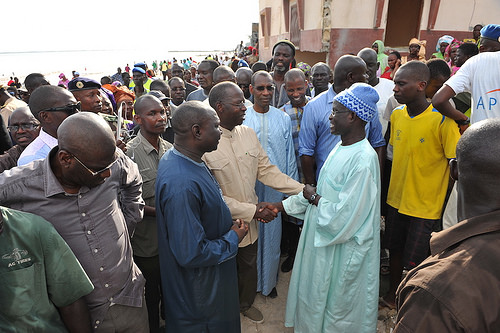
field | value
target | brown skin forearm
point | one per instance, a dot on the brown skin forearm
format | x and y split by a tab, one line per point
307	163
76	317
381	153
441	101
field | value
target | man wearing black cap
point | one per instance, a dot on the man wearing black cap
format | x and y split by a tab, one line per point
283	56
479	76
86	91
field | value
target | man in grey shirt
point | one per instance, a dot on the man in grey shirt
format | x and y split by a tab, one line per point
91	192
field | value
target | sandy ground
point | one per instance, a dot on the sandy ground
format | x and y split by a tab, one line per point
274	311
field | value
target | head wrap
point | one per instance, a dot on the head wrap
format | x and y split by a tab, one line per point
443	39
61	75
361	99
422	43
305	67
121	92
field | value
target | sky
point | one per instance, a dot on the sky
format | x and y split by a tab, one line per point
189	25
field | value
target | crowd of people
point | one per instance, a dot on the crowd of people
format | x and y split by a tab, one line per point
168	195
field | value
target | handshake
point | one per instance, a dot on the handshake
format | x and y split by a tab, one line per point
266	211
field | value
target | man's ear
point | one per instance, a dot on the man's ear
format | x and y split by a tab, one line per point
422	85
64	158
44	116
454	169
137	119
196	131
251	89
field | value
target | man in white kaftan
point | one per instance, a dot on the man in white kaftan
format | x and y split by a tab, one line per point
335	281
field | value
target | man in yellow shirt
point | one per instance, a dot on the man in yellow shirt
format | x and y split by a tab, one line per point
423	141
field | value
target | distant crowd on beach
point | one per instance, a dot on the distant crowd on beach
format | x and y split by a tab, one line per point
165	197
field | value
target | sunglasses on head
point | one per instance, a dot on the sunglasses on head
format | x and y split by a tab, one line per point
69	109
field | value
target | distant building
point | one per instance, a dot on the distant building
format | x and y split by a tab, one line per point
324	30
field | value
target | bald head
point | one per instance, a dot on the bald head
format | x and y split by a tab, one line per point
46	96
189	114
224	73
349	69
478	164
22	115
160	85
145	102
367	53
33	81
415	70
260	74
244	73
86	134
294	74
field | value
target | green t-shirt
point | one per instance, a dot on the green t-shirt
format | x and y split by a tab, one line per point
38	273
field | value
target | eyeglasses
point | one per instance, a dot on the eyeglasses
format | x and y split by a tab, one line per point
69	109
261	88
92	172
334	112
236	105
23	126
243	85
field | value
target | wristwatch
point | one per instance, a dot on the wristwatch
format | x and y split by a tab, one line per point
313	197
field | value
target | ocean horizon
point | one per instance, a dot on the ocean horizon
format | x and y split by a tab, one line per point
89	63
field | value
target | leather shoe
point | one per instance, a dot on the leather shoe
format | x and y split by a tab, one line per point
254	315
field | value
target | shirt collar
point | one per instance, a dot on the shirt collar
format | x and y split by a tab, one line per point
52	185
48	139
474	226
227	133
148	147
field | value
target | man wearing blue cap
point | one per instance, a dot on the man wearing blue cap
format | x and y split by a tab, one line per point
480	76
139	78
86	91
334	284
145	79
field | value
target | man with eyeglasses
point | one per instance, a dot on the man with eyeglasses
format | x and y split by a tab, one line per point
178	89
24	128
274	130
50	105
178	71
91	192
243	79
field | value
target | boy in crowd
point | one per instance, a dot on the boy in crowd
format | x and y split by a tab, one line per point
423	140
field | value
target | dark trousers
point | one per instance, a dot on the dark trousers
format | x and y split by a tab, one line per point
247	275
150	268
290	235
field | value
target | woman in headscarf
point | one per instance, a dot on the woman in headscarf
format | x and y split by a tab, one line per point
450	54
379	47
416	49
441	45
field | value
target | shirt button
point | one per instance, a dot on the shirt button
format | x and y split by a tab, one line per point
106	285
79	196
95	250
89	232
97	322
111	299
101	268
83	214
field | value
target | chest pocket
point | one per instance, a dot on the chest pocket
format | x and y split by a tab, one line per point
148	183
21	290
221	170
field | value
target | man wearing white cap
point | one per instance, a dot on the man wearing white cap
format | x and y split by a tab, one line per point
334	284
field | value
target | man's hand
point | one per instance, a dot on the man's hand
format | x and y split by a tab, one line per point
276	206
308	191
265	214
121	145
241	229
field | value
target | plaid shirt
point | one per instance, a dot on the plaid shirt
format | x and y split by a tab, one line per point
296	116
